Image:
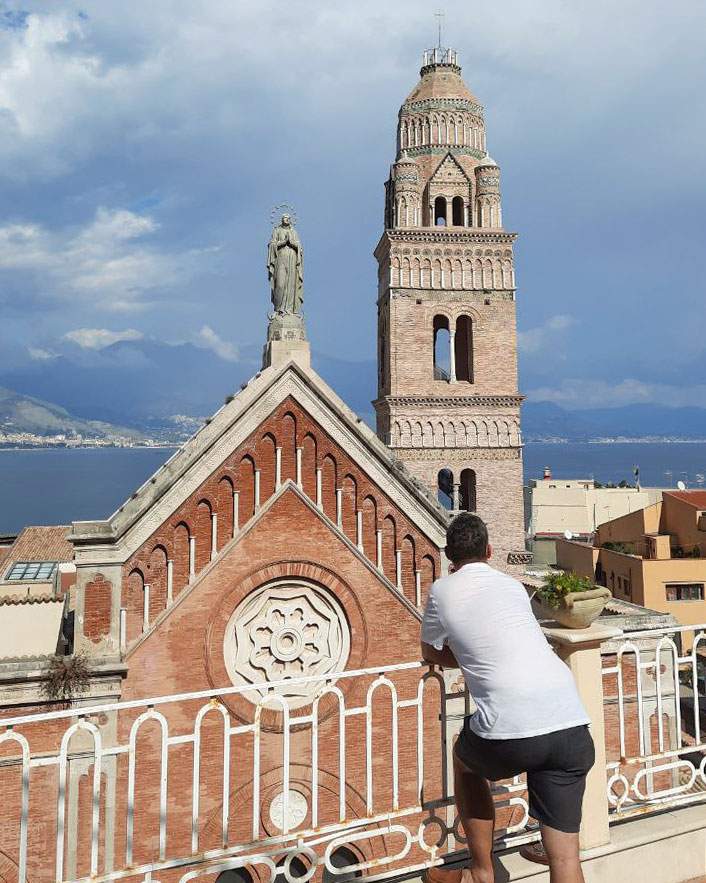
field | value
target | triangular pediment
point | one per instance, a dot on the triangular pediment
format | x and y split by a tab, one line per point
448	171
115	539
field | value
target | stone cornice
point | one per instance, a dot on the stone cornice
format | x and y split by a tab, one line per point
487	401
410	107
446	236
453	149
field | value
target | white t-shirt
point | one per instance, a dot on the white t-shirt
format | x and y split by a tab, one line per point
520	686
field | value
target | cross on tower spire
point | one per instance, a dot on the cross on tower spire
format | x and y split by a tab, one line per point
439	15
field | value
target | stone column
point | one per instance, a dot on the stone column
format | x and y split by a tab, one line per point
146	608
236	513
319	488
581	650
456	497
452	355
378	548
123	630
339	508
257	489
170	581
278	468
398	568
359	529
192	558
418	588
214	535
299	467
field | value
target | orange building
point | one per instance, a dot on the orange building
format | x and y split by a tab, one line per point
655	557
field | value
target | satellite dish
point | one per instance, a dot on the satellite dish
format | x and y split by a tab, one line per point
681	485
568	535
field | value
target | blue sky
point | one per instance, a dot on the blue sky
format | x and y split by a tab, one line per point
143	145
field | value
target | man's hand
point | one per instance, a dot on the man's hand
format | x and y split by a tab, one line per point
443	657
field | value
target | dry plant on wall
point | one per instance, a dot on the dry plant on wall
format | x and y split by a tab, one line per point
68	676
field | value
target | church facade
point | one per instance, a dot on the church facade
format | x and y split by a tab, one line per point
448	404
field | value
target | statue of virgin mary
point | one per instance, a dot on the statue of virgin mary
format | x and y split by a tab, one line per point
285	269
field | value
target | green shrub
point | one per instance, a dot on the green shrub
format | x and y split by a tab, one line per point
617	546
559	584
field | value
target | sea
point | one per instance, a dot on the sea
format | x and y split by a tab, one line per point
58	486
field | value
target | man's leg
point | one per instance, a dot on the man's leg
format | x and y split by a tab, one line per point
476	811
563	854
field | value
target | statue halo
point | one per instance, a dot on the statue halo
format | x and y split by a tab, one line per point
284	208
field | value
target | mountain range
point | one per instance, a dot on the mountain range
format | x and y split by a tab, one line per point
147	387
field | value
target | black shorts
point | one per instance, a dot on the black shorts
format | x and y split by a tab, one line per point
556	765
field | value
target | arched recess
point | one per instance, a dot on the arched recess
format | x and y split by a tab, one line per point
135	590
224	507
202	532
266	461
309	462
245	486
370	523
289	447
389	547
349	507
342	858
445	485
468	490
329	485
442	348
428	574
463	349
458	211
182	532
440	211
157	578
409	566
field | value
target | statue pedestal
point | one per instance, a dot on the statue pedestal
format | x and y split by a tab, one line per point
279	352
286	342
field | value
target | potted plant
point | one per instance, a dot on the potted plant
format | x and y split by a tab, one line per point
573	601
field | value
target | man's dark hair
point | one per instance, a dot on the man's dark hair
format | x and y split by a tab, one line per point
466	538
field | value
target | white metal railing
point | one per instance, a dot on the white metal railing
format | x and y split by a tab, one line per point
656	738
365	765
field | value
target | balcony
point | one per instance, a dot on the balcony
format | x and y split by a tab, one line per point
349	778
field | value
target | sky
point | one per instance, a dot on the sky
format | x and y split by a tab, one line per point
143	146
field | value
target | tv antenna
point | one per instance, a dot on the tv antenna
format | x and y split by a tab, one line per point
439	15
681	486
568	535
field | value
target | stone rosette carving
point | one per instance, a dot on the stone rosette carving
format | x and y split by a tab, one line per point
286	630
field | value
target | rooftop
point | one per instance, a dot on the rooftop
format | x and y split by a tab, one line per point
40	544
696	498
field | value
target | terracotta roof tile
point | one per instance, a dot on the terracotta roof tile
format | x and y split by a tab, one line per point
41	544
695	498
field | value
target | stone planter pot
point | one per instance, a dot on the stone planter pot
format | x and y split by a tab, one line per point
577	610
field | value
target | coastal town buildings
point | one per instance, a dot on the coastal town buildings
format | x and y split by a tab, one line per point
654	556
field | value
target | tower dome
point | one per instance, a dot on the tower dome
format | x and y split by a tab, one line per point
440	78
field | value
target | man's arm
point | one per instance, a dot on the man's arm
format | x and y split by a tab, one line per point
443	657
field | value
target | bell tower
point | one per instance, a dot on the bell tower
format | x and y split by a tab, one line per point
448	402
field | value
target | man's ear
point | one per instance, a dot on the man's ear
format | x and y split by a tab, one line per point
488	551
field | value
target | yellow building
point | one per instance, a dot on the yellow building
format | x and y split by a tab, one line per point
655	557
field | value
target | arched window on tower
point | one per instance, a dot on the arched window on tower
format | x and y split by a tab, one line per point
468	490
445	486
442	348
440	211
458	211
463	349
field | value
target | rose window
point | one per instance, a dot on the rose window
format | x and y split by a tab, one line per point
285	631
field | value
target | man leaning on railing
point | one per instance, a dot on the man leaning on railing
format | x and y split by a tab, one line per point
529	715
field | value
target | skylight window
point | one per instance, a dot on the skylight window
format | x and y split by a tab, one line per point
31	570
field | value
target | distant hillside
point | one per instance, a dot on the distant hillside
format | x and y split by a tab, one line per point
143	383
20	413
548	420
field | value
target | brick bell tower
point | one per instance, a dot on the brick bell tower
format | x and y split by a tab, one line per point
448	402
